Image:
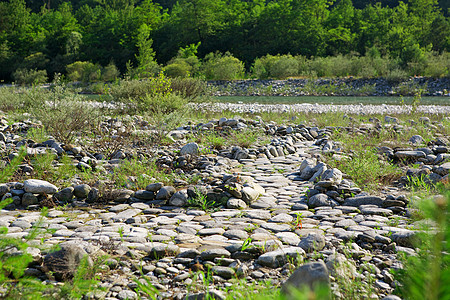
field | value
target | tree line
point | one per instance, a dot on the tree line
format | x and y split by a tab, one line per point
137	37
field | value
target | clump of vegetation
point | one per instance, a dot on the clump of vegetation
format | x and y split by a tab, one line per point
64	114
219	66
427	275
364	165
30	76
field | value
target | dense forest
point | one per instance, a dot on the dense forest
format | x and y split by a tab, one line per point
58	36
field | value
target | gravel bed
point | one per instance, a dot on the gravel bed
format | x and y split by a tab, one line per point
360	109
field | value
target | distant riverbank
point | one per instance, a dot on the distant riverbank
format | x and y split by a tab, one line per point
333	87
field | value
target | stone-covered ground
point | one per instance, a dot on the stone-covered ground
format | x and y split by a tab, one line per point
270	208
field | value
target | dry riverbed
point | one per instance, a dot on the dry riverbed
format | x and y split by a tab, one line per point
213	217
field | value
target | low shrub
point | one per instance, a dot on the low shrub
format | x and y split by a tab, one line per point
21	99
219	66
279	66
191	88
65	114
30	76
134	91
178	68
437	65
83	71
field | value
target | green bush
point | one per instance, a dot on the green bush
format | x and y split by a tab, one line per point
191	88
437	65
30	76
110	72
21	99
178	68
427	274
279	66
85	71
219	66
161	103
262	66
133	92
65	114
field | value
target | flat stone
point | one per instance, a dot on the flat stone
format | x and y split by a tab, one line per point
411	155
357	201
211	254
36	186
224	272
312	242
288	238
376	211
276	227
277	258
236	234
154	187
282	218
258	214
211	231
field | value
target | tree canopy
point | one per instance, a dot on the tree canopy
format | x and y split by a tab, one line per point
50	35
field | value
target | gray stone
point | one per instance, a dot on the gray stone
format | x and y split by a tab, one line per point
65	195
126	295
64	263
3	189
211	254
345	223
144	195
277	258
122	195
126	214
392	120
179	198
191	149
357	201
312	242
339	266
36	186
29	199
376	211
163	250
165	193
310	275
282	218
410	155
234	203
258	214
443	169
224	272
319	200
236	234
92	197
249	195
154	187
81	191
391	297
334	175
319	169
288	238
416	140
404	238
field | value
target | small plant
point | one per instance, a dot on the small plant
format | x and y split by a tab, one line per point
37	134
298	221
201	200
247	244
